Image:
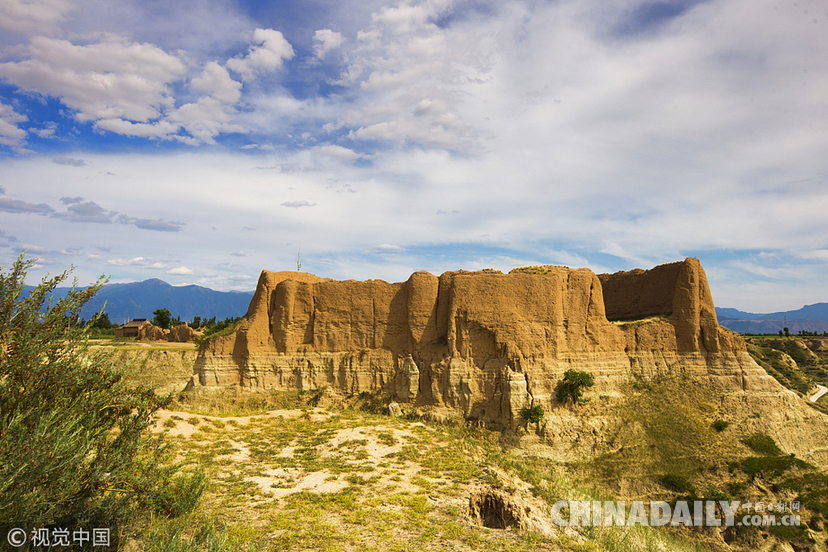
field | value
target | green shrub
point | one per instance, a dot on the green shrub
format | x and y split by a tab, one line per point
715	494
769	465
162	318
572	386
762	444
75	446
533	414
678	483
218	329
720	425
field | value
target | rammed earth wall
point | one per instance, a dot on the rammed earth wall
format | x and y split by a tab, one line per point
486	344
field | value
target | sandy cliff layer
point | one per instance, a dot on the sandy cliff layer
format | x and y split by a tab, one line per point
486	344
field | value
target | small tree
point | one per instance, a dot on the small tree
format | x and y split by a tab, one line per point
100	322
162	318
532	414
75	450
572	386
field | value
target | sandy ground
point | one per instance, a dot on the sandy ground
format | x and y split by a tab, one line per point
280	482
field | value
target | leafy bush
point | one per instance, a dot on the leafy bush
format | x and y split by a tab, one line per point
75	450
572	386
720	425
762	444
218	329
533	414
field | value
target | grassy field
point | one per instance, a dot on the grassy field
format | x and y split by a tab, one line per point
798	363
324	472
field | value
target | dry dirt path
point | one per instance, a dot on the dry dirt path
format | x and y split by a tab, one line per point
821	391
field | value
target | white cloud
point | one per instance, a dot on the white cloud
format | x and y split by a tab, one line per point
17	206
34	16
216	82
268	52
159	129
206	119
338	152
817	255
69	161
10	134
47	132
385	249
538	131
325	40
298	203
87	211
408	16
414	77
201	28
181	270
214	113
157	225
138	262
109	80
29	248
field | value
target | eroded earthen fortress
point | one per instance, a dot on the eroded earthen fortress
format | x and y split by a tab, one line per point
486	344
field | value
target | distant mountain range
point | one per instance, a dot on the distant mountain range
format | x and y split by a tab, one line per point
812	318
139	299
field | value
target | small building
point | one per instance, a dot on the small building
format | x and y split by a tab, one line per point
131	328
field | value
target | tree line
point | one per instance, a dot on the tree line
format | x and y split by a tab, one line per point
163	318
786	332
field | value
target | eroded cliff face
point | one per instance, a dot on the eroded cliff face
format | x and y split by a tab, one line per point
486	344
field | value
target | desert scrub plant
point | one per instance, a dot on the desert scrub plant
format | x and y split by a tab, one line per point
75	446
571	388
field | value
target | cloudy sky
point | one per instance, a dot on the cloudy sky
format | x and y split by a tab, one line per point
201	141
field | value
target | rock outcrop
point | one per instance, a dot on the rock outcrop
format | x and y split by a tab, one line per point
150	332
487	344
183	333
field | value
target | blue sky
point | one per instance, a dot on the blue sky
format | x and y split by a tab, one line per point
201	141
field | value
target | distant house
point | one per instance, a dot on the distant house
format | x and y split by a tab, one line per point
131	328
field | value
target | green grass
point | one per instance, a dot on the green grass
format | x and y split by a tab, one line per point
773	354
403	484
233	402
